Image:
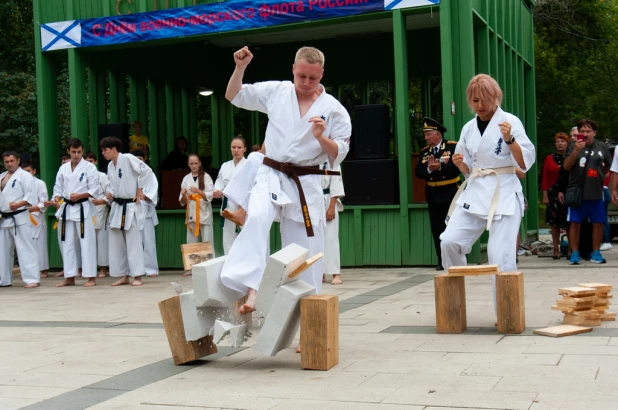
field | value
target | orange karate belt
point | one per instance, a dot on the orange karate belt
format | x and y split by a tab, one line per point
197	198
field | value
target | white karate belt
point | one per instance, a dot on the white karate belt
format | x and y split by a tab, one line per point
483	172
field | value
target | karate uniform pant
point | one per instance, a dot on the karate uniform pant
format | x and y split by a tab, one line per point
87	247
206	235
465	228
77	247
437	216
126	252
26	255
40	245
332	258
102	246
245	264
229	235
151	266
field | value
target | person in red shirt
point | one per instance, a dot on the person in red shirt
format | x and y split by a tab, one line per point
556	211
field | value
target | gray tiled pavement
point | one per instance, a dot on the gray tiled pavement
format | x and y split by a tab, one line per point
104	347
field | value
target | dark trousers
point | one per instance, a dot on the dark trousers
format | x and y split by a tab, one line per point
437	215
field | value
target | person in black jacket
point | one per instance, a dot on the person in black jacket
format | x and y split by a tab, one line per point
442	176
177	159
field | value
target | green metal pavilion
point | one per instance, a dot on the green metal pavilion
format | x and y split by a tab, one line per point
437	47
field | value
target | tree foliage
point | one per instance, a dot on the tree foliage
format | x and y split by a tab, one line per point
576	59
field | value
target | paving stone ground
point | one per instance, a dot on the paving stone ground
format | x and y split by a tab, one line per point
104	348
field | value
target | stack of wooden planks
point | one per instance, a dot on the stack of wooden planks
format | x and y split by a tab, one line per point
577	304
602	301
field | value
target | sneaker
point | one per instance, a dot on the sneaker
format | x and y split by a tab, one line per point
605	246
596	257
574	258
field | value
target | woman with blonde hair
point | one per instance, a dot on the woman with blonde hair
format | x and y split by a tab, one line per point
490	149
556	212
196	193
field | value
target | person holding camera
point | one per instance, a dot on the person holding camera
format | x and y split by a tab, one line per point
587	165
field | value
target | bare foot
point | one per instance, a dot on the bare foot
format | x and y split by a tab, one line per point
249	305
79	272
66	282
323	278
298	348
336	280
91	282
44	274
153	275
122	281
238	217
31	285
137	281
59	274
187	273
102	273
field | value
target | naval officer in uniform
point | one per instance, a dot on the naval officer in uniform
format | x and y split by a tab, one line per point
442	177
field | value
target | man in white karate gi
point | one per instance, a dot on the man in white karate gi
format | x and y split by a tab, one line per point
151	265
38	219
100	219
130	181
17	194
306	127
76	182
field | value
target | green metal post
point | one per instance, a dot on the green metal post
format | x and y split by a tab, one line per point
77	92
193	120
93	110
101	94
169	111
186	115
122	98
402	129
178	113
153	135
142	104
449	58
216	129
113	97
133	99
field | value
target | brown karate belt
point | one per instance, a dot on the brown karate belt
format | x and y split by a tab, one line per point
295	171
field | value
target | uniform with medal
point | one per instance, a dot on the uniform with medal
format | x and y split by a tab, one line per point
442	182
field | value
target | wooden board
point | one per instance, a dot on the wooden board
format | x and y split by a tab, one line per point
580	300
450	293
573	304
585	313
608	315
581	321
600	287
194	253
182	351
306	264
510	305
319	332
577	291
473	270
562	330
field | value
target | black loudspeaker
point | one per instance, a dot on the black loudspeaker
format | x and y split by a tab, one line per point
371	131
120	131
371	182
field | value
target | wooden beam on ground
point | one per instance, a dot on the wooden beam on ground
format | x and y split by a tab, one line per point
473	270
562	330
450	303
182	350
319	332
510	304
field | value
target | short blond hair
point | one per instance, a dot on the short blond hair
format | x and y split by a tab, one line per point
485	88
311	55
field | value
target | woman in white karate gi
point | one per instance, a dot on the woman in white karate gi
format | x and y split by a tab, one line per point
196	193
492	145
332	187
227	171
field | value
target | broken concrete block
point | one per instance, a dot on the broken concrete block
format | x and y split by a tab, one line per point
278	267
221	329
209	290
237	334
283	320
197	321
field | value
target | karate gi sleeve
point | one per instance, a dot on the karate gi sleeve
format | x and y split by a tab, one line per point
461	147
93	181
58	185
151	190
182	186
254	97
42	191
336	184
145	177
219	182
614	167
209	187
30	189
340	132
527	148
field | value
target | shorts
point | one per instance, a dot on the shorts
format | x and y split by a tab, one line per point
593	210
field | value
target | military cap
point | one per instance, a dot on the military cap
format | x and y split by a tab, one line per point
429	124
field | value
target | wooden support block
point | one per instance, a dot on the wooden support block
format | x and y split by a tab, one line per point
473	270
450	303
182	351
510	302
319	332
562	330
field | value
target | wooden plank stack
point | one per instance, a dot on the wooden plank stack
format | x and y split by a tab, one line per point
602	301
577	304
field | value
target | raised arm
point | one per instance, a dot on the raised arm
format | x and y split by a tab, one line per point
242	58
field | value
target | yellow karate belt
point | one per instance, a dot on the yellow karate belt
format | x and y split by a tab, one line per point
34	222
197	198
479	173
56	223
